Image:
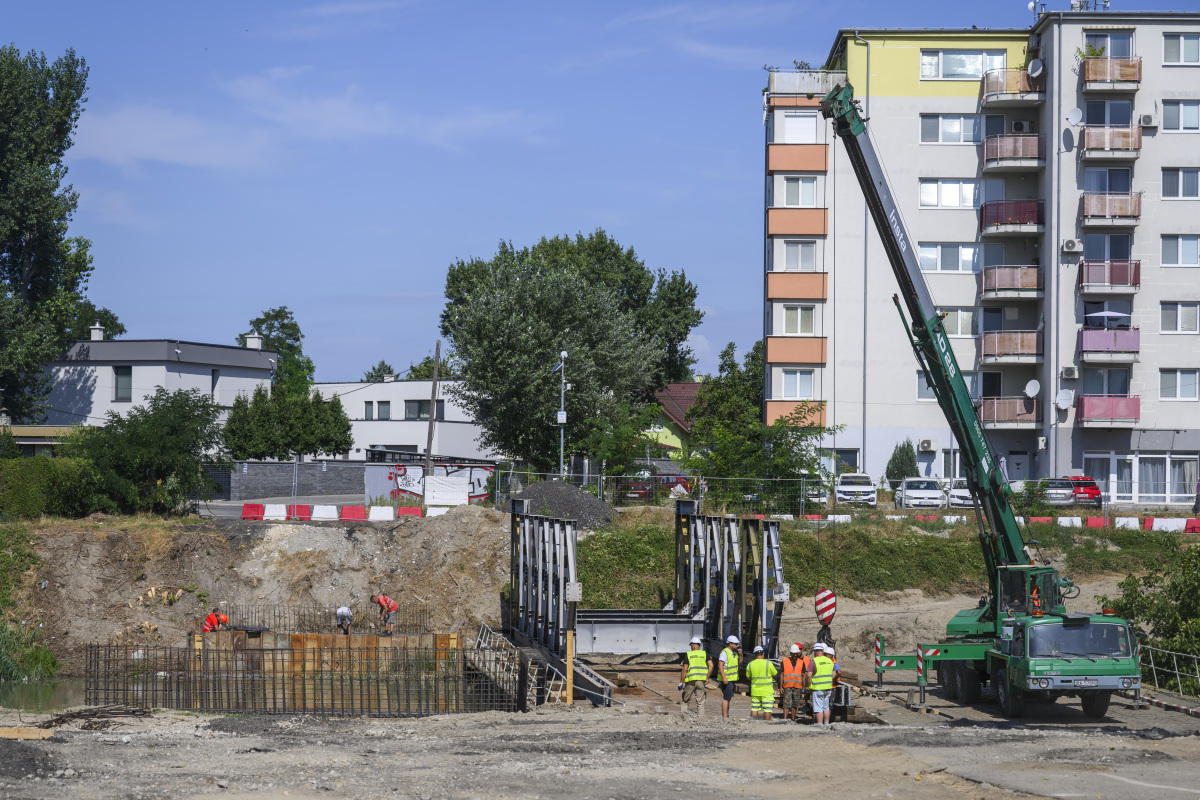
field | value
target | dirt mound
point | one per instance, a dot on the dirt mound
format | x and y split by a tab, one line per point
564	501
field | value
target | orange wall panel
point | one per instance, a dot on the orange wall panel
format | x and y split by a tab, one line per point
796	349
793	101
796	221
797	158
781	408
797	286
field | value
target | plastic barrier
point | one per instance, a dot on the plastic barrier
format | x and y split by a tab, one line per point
1070	522
1178	525
252	510
325	513
1126	523
381	514
300	512
1192	526
1097	522
275	511
409	511
437	511
1041	520
354	513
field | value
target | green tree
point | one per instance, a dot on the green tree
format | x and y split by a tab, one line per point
1165	603
152	459
281	333
507	334
663	305
28	341
283	427
903	463
377	373
423	369
618	441
8	444
79	320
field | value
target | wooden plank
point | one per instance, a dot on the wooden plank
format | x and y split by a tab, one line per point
26	733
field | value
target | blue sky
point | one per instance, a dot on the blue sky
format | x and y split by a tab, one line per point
336	157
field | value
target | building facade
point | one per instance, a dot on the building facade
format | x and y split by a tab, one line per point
1050	179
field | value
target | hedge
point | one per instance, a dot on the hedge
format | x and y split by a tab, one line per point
61	487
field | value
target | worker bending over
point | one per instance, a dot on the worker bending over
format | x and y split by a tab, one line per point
761	673
215	621
821	681
727	671
693	676
793	681
387	612
345	618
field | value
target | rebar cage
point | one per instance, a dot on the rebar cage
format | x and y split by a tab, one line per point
411	617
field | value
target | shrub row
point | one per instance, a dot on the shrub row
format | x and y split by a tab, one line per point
31	487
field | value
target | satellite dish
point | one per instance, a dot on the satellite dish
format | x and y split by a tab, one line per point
1032	388
1032	5
1036	67
1064	398
1074	117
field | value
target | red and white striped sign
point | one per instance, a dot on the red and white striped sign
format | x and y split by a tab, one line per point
826	605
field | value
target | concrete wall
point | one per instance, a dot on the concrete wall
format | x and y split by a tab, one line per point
252	480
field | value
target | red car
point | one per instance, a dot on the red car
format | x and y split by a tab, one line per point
1086	490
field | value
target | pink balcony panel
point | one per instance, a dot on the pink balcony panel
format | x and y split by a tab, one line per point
1108	408
1114	274
1103	340
1011	212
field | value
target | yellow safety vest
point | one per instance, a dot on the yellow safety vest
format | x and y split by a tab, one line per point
731	664
761	671
697	665
822	679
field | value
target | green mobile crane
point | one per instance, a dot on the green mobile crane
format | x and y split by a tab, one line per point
1020	638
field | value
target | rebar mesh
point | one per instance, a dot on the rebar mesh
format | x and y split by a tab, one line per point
410	617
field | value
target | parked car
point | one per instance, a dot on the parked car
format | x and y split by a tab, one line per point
920	493
1058	492
959	495
639	485
1086	491
855	487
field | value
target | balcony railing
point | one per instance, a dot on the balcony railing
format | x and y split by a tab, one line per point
1010	410
803	81
1012	145
1111	70
1110	340
1010	212
1014	80
1110	275
1111	205
999	344
1108	408
1109	137
1012	279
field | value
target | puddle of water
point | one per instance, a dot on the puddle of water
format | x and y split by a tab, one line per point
43	696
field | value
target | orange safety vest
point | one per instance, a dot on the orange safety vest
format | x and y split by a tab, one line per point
387	603
793	675
1036	602
211	623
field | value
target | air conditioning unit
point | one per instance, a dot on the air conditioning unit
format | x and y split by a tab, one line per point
1148	120
1022	126
1035	41
928	446
1070	373
1072	245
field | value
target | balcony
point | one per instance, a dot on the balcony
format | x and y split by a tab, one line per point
1012	87
796	349
1011	218
1110	74
1013	152
1010	413
797	286
1111	143
1110	209
818	83
1010	347
797	157
1110	277
796	221
1109	345
1107	410
1011	282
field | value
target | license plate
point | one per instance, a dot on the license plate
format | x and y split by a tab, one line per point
1086	684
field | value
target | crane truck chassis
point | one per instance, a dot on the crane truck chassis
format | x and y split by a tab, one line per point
1020	638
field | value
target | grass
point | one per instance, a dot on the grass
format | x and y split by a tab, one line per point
16	558
22	655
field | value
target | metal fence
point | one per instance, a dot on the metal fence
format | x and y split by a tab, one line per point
328	681
1175	672
410	617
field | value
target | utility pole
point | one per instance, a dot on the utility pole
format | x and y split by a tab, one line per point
437	357
562	414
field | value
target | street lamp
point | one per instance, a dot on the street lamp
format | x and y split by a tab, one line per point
562	413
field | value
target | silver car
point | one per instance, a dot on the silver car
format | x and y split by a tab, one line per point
920	493
1058	492
960	495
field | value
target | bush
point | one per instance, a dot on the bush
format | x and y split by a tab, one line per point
62	487
23	656
903	463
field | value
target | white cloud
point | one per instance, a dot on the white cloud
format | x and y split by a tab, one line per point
138	133
700	346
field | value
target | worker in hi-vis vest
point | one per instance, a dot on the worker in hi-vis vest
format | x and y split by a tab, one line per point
693	677
761	673
821	682
728	671
792	680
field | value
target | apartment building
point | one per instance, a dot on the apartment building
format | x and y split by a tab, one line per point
1051	178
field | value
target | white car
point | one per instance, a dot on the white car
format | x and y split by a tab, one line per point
856	487
960	495
920	493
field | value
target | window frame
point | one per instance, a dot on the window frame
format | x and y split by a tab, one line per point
1181	62
941	51
1179	183
1178	371
1108	35
782	118
976	320
970	377
368	409
799	308
801	180
1178	237
979	122
797	371
810	244
118	371
977	261
1181	129
383	409
419	417
939	182
1179	306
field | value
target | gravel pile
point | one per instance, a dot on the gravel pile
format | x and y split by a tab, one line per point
564	501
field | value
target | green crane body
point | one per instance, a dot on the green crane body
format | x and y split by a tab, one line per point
979	642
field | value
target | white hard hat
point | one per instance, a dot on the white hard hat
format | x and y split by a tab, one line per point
819	646
829	651
697	640
758	648
733	640
794	648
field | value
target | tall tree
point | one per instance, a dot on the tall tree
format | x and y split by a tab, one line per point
423	369
286	426
281	333
507	334
28	341
664	306
377	373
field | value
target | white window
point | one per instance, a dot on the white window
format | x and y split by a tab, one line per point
800	255
937	257
1181	183
799	319
1181	115
1179	317
798	127
800	191
1177	384
1180	251
925	391
949	193
960	321
959	65
950	129
1111	45
797	384
1181	48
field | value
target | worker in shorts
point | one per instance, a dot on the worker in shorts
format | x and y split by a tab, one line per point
793	680
728	671
345	619
761	673
693	677
820	680
387	612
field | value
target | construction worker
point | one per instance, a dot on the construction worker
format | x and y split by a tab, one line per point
387	612
793	681
693	677
761	673
727	671
345	618
215	621
821	682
